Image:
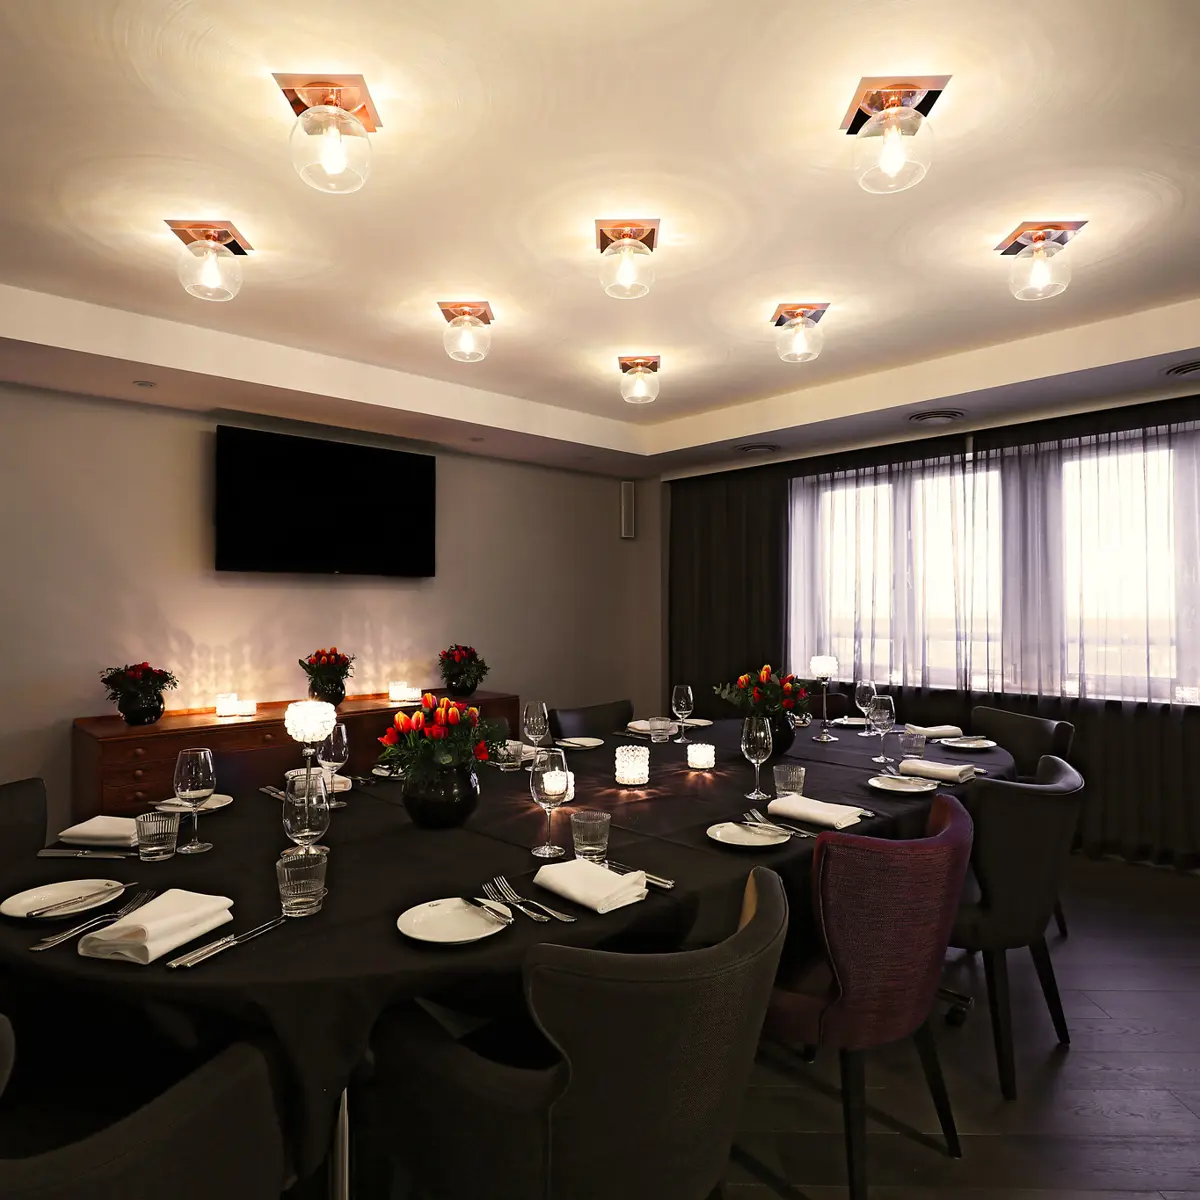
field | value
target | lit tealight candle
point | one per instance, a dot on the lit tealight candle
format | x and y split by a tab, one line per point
400	693
559	783
228	705
701	756
633	765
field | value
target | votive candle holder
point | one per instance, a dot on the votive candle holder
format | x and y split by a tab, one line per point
633	765
701	756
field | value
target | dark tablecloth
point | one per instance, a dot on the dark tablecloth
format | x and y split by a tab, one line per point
317	986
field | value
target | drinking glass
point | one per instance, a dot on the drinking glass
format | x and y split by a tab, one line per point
509	755
660	729
864	693
548	781
157	833
882	716
589	833
301	884
305	812
912	745
682	705
535	722
195	781
334	752
756	746
789	778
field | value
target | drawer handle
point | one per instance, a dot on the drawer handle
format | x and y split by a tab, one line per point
139	752
138	774
268	737
139	795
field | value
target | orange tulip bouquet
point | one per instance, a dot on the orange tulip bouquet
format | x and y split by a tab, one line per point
765	692
440	734
327	672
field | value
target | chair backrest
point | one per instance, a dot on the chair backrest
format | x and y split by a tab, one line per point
1025	737
7	1051
884	911
659	1048
597	720
22	819
1023	836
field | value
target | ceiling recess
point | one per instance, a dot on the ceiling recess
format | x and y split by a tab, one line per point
937	416
757	448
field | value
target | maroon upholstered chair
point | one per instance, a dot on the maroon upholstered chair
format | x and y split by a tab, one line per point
884	911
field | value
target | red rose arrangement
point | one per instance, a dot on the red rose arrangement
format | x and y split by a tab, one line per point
322	665
441	733
139	680
462	668
764	691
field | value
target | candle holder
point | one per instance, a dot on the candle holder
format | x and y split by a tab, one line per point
309	722
633	766
823	668
400	693
701	756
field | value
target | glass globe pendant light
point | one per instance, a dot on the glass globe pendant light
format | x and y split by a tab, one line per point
1040	270
330	147
209	270
639	383
626	268
799	339
466	337
894	149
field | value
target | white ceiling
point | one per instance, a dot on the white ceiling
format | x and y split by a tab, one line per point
509	128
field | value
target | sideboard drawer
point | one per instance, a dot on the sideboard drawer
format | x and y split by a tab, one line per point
137	796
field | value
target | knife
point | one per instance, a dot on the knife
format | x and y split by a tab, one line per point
92	895
87	854
206	952
273	792
487	908
659	881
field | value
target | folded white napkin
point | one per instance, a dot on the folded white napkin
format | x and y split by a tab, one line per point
101	831
171	920
935	731
942	772
591	885
816	812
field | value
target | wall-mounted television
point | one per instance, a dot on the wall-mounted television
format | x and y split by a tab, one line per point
310	506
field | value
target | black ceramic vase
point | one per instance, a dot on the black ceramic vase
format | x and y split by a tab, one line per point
332	691
441	799
459	691
140	709
783	732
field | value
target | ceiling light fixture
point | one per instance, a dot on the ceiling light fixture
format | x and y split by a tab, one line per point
626	257
1039	270
468	336
210	267
639	378
797	338
893	140
330	143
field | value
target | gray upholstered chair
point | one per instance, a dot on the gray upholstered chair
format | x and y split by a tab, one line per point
636	1092
597	720
22	820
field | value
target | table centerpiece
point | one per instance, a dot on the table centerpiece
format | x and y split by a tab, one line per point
137	689
327	672
782	699
463	670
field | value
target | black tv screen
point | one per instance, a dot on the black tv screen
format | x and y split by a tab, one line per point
305	505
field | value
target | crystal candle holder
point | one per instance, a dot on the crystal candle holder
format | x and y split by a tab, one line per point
400	693
310	721
701	756
633	765
556	781
228	705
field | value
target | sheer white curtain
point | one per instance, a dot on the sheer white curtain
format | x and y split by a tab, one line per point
1069	567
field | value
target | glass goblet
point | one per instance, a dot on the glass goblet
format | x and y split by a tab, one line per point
882	716
682	705
756	746
333	756
864	693
548	781
535	722
305	811
195	781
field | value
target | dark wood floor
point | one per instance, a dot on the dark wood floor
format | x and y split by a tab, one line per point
1114	1116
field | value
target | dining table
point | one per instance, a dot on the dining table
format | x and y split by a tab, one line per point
316	986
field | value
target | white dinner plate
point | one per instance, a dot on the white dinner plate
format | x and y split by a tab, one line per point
643	726
968	743
214	801
858	721
387	773
450	922
908	784
579	743
22	903
729	833
697	722
340	782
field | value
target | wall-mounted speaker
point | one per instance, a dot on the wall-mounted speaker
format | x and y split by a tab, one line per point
628	508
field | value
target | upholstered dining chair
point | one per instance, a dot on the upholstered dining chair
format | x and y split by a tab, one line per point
1023	835
22	819
883	910
636	1091
597	720
215	1133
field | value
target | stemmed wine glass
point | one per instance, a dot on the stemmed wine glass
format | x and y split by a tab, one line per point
681	705
333	755
882	716
756	746
195	781
535	723
305	812
864	693
548	782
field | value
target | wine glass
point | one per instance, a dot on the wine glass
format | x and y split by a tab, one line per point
756	746
864	693
682	705
548	782
195	781
882	716
535	722
305	811
333	755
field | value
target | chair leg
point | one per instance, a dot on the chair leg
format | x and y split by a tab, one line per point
927	1050
1045	974
854	1119
995	970
1060	918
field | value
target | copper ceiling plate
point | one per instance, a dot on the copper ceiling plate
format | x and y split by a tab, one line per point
194	231
649	361
921	90
459	308
642	229
1056	231
305	91
785	312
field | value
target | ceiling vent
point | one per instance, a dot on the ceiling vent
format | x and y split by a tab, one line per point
1184	368
937	416
756	448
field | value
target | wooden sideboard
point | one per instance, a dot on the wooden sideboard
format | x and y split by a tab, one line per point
120	769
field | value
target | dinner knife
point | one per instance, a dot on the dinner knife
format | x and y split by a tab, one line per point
273	792
92	895
87	853
487	908
206	952
659	881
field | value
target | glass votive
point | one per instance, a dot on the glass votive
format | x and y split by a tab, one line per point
789	779
633	765
157	833
301	883
589	833
912	745
509	755
701	756
660	728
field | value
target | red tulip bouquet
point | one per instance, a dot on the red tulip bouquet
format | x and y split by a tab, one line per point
327	672
137	690
765	692
441	733
462	669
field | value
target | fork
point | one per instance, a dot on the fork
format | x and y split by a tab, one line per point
755	818
96	922
510	894
492	892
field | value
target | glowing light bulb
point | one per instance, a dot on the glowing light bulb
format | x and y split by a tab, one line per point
799	339
627	272
626	269
210	271
467	338
892	155
800	343
1039	270
333	151
639	386
466	342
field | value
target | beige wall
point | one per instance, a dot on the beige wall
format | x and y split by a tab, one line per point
106	557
